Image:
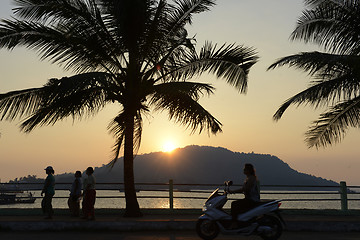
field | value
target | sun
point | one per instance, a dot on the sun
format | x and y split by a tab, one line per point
168	146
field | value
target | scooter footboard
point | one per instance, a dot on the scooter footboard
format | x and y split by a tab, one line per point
215	214
204	216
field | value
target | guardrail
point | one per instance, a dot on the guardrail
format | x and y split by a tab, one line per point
342	189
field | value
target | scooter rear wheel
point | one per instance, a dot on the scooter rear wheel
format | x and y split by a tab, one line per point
207	229
275	225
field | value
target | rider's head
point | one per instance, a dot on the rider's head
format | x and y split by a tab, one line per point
249	169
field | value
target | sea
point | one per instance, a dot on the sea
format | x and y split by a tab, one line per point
196	199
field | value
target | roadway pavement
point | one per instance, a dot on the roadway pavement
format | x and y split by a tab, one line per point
167	235
112	220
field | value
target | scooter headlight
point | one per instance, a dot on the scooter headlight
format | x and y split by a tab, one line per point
206	206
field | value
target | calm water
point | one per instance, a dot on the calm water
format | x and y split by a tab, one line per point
106	199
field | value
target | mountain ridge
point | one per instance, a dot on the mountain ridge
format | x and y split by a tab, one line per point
205	165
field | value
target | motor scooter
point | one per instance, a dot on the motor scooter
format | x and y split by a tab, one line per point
263	220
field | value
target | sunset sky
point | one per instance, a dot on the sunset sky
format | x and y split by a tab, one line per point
247	118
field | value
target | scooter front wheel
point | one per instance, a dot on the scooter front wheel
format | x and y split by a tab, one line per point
207	229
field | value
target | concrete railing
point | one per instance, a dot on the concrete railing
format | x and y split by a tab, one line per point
342	189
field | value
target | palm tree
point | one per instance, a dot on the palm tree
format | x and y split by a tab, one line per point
135	53
334	25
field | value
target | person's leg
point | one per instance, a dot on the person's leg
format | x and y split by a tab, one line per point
69	205
92	204
235	209
51	210
47	205
76	207
85	205
73	207
43	205
247	205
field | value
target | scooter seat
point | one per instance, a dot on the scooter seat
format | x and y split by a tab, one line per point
262	202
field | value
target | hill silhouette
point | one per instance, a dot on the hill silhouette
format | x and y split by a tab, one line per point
205	165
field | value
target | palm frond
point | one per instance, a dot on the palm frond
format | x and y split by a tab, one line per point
192	89
332	24
319	64
154	30
16	104
138	128
59	34
155	41
333	125
229	62
53	10
117	127
128	20
180	100
60	45
77	96
183	11
163	62
313	3
337	78
321	93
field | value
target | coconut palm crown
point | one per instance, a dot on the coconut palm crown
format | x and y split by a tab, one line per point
135	53
334	25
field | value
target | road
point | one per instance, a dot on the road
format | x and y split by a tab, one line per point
166	235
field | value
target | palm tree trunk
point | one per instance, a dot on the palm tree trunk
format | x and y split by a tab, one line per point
132	205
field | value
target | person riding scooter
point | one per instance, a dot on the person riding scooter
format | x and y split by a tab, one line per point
251	192
263	219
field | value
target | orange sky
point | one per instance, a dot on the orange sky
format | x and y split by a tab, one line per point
247	119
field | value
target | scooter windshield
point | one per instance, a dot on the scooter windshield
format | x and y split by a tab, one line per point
213	195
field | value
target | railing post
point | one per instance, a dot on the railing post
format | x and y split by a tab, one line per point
171	194
343	194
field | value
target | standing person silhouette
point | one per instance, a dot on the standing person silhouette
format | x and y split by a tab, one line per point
89	195
250	190
49	191
75	194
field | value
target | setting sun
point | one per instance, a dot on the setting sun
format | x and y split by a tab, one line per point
168	147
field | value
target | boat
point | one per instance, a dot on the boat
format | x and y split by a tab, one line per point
25	198
7	198
11	194
13	198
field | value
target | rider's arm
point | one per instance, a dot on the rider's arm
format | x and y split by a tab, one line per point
248	184
240	190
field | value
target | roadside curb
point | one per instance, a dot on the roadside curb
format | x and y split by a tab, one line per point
162	225
97	226
323	226
160	220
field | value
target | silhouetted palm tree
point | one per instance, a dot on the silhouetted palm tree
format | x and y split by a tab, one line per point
334	25
135	53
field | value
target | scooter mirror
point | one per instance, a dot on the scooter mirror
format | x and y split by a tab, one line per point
228	183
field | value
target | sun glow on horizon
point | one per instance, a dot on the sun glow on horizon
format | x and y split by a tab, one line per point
168	147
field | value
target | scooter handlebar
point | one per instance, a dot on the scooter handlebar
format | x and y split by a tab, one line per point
227	187
228	183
